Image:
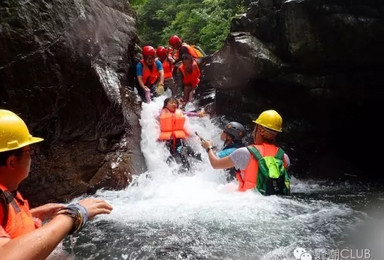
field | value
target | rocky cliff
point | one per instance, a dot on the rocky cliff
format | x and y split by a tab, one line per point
67	68
64	68
317	62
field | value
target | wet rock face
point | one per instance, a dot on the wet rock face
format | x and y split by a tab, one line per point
64	68
318	63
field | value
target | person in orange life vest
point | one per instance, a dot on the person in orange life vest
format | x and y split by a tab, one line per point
268	125
167	62
149	72
170	53
22	235
188	77
172	127
181	48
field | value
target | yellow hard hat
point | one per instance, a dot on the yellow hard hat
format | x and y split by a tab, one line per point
271	120
14	132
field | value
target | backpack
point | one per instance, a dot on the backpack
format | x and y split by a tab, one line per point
272	177
199	52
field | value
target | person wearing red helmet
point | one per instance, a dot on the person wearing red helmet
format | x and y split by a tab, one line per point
181	48
167	61
150	73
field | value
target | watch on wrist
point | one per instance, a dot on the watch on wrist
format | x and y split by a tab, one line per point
209	148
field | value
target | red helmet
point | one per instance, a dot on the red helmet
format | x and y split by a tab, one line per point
148	51
161	51
174	40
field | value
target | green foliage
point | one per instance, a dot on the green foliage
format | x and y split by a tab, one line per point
202	22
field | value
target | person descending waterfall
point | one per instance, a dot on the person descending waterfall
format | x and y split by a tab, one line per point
172	131
150	75
167	61
22	234
268	125
188	77
182	48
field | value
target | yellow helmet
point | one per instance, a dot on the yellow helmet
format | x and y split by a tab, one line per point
271	120
14	132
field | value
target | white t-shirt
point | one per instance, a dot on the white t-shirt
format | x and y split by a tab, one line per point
240	157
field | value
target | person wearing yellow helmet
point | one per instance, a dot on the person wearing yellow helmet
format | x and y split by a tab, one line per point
22	235
267	126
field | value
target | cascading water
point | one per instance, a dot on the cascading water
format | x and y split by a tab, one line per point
164	214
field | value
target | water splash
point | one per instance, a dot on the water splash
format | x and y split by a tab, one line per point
110	82
199	215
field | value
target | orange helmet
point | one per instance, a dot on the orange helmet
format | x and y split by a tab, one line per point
161	51
173	40
148	51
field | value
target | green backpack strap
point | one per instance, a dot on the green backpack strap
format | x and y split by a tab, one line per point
254	152
280	154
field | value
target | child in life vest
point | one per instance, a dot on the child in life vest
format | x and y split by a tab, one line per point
173	132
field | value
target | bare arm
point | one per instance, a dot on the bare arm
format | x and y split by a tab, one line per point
141	83
39	243
201	113
161	79
46	211
220	163
216	162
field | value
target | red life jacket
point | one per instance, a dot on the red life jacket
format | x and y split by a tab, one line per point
191	51
149	76
168	68
247	178
191	78
19	218
172	125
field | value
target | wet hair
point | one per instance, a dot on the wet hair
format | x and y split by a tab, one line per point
170	99
187	56
4	155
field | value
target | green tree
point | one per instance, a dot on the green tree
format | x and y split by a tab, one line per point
202	22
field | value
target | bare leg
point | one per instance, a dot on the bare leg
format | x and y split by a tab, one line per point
187	91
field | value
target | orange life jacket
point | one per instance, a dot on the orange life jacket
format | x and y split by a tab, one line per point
149	76
19	218
172	125
247	178
191	51
167	68
192	78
